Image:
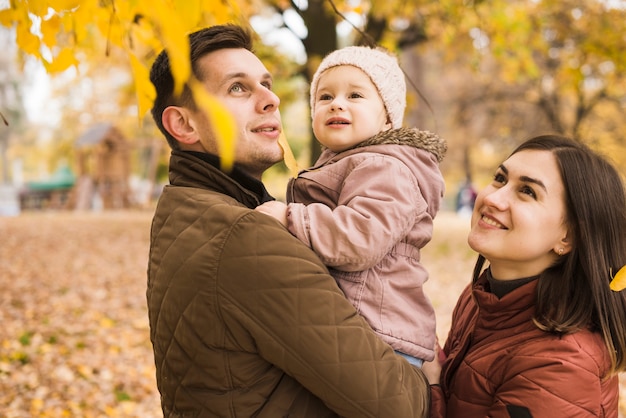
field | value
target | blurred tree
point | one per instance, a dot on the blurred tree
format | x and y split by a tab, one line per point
536	67
519	67
12	113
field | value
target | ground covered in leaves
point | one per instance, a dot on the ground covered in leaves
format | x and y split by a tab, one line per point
74	338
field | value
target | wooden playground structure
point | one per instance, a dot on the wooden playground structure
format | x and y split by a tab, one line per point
102	179
103	164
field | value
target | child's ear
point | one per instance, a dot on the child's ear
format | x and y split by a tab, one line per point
388	125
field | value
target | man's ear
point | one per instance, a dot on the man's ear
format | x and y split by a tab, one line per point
179	123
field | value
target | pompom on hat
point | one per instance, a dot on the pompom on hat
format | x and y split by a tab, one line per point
381	67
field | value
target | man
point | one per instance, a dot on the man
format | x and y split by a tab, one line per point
244	319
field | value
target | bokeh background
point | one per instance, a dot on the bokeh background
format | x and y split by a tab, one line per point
82	163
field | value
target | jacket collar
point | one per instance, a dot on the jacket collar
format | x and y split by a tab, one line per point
201	170
413	137
513	308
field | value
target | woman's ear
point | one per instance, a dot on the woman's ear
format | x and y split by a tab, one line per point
564	246
179	123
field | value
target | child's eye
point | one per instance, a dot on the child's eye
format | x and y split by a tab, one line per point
355	96
326	97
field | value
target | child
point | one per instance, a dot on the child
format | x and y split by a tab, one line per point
367	205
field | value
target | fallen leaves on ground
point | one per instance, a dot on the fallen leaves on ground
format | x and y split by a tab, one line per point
74	339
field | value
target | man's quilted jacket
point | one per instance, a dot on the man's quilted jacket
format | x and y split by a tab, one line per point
501	365
245	321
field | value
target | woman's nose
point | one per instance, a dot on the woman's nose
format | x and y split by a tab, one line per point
497	198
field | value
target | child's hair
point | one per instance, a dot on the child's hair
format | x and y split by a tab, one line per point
382	68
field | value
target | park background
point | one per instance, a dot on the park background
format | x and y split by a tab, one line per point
81	163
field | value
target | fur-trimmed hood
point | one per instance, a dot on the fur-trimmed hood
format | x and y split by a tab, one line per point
425	140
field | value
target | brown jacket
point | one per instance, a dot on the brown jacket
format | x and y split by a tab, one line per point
245	320
367	212
501	365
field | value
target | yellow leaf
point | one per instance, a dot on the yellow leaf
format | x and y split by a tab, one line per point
60	5
7	17
619	281
110	411
176	42
64	60
290	160
26	40
222	122
106	323
114	29
89	11
144	88
189	12
38	7
143	34
36	404
49	30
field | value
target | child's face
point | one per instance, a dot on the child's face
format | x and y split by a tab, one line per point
348	108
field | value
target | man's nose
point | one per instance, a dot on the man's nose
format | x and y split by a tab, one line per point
270	101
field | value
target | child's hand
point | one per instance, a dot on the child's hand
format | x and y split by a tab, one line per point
275	209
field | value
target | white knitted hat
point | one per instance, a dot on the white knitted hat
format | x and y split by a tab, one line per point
380	66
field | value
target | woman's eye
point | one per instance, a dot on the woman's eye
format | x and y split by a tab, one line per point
529	191
499	178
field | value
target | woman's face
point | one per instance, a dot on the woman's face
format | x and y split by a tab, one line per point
518	223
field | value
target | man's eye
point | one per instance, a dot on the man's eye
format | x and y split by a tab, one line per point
236	88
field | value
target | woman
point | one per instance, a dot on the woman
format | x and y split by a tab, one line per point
539	333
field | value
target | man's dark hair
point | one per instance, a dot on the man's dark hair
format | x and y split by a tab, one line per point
201	43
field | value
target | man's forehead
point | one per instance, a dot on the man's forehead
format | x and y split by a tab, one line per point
228	64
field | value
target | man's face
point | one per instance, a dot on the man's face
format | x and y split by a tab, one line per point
241	82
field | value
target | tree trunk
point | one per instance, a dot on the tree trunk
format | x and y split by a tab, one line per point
321	40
